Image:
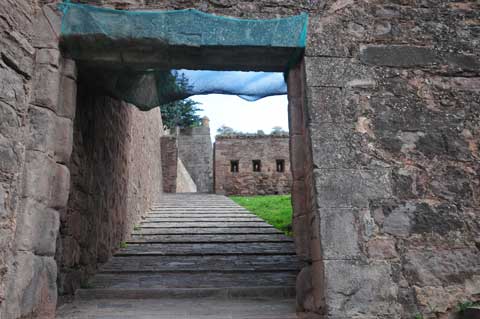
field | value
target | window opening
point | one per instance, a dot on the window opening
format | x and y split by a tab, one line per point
257	165
281	166
234	166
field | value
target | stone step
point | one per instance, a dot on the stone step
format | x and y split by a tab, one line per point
229	293
206	231
203	215
204	224
193	280
222	238
201	219
193	264
200	209
199	249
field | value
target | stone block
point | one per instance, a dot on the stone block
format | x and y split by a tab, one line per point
39	176
9	160
304	290
68	98
34	291
398	55
60	187
318	282
296	119
339	233
382	248
12	90
69	68
46	86
10	122
301	231
297	156
63	139
350	187
37	229
41	129
440	267
367	289
398	222
299	198
335	72
340	146
45	36
48	56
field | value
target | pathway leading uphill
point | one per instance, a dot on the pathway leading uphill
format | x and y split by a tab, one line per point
195	256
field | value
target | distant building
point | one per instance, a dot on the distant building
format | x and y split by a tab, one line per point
252	164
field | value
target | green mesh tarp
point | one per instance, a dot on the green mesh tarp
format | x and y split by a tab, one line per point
147	85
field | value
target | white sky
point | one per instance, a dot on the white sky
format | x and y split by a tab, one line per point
241	115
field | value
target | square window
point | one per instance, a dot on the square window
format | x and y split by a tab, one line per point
257	165
281	166
234	166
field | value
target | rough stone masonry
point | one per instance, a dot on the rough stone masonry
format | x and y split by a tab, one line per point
252	165
385	131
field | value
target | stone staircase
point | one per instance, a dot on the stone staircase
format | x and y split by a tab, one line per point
199	245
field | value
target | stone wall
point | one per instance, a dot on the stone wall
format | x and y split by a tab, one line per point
169	163
115	176
185	183
244	149
196	152
393	103
35	144
391	116
145	163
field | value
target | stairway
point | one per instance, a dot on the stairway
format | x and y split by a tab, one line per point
200	246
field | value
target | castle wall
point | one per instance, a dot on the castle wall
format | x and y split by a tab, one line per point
115	176
196	152
245	149
391	107
169	163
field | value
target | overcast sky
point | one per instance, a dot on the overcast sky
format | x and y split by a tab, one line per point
241	115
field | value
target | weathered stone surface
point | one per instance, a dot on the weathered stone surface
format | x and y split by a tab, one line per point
46	86
63	132
351	188
245	149
337	244
398	55
68	97
185	183
334	72
37	229
40	177
169	163
196	152
441	267
369	288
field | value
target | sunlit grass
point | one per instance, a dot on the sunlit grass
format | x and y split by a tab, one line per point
274	209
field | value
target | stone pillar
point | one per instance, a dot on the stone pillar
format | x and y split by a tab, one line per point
310	294
46	178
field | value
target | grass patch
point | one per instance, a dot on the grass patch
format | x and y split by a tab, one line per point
274	209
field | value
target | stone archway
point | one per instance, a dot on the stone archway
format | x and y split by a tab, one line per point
389	121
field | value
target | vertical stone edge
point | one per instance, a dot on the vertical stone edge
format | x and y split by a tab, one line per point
309	287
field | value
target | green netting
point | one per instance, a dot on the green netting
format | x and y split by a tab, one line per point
184	27
150	87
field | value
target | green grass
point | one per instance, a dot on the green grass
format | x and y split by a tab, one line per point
274	209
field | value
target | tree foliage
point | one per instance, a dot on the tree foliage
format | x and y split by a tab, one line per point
182	113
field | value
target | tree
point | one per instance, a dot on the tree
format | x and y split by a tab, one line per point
180	112
278	130
225	130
